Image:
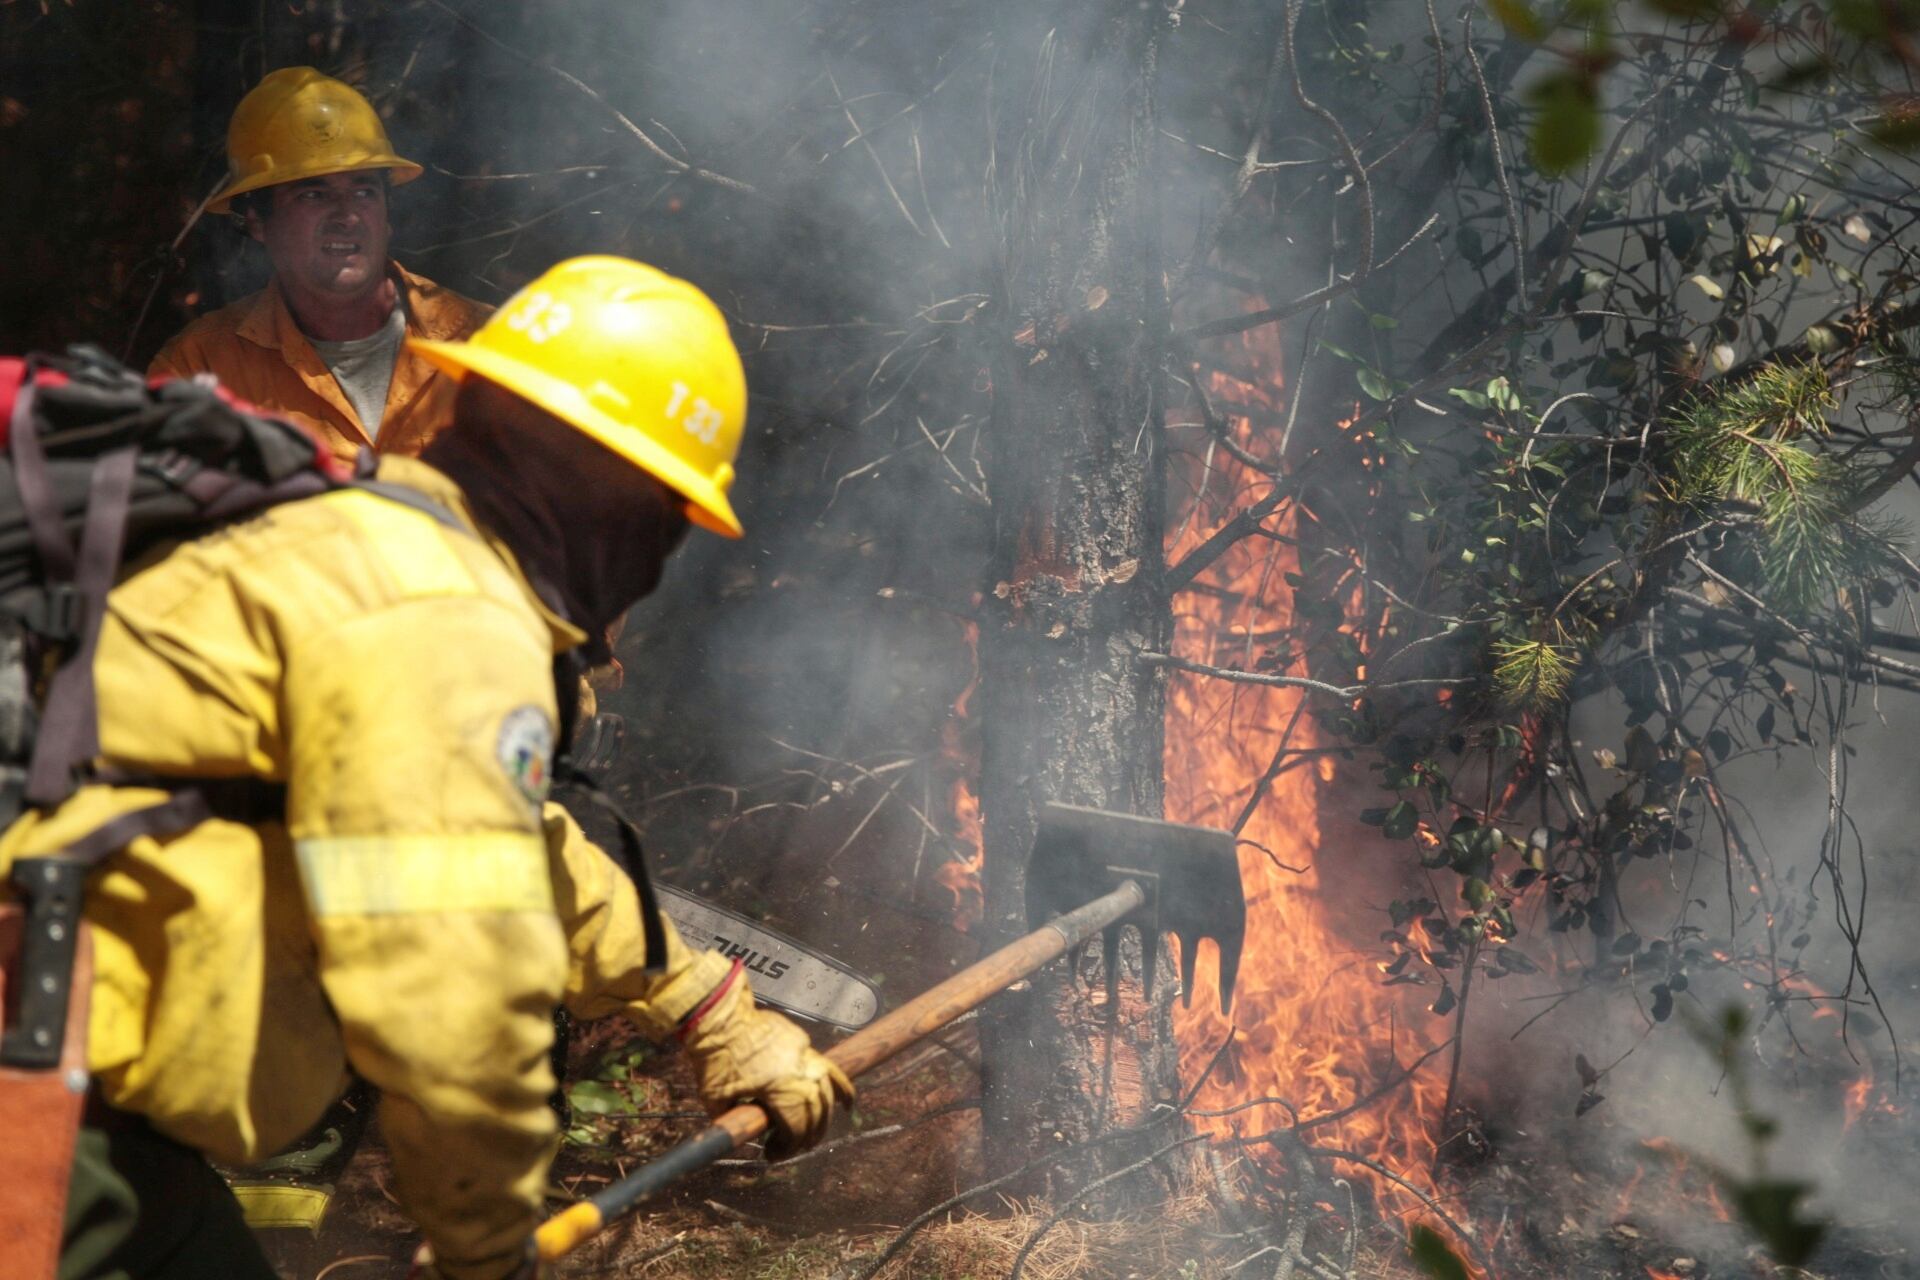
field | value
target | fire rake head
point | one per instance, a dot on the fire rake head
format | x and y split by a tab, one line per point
1190	875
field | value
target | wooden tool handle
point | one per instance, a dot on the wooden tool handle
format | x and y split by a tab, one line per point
858	1053
975	984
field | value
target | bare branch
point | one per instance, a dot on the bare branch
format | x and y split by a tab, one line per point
660	153
1343	692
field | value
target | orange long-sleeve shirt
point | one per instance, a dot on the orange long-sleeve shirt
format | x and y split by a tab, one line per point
257	351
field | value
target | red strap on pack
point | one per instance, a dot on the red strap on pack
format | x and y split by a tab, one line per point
705	1007
13	376
323	458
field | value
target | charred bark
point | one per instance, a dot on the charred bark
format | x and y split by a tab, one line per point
1075	592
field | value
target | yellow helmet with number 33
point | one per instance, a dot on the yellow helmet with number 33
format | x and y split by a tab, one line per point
636	358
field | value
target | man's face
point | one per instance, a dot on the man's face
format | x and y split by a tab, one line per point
327	236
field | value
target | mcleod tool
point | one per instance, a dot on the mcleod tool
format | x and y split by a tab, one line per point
1160	877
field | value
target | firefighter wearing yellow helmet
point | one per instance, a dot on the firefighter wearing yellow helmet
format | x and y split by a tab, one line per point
309	167
637	360
417	906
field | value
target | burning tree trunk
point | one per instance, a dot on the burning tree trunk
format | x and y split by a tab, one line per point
1076	589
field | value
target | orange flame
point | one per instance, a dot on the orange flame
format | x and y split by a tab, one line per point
1858	1094
1628	1192
961	876
1684	1184
1313	1024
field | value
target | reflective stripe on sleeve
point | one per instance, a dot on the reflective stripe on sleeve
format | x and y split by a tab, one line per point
409	874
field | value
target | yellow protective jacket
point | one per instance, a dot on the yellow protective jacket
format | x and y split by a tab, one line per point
258	351
418	914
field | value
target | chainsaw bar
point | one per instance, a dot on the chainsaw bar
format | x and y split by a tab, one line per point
787	974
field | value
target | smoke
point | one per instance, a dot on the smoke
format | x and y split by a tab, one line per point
841	178
1823	1072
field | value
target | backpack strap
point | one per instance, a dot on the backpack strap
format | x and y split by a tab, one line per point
50	891
69	733
366	467
582	786
408	497
631	857
36	489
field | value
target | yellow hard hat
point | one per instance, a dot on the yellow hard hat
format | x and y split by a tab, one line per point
299	124
637	359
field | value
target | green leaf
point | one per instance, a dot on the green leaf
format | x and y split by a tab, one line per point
1433	1255
590	1097
1472	399
1681	235
1708	286
1400	821
1566	126
1799	74
1374	384
1472	247
1518	17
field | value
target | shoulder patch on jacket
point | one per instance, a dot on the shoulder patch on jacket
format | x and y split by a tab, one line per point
525	752
410	544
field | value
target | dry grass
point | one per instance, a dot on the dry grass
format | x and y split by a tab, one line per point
1167	1242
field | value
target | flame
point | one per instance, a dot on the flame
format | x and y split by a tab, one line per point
1858	1094
1627	1193
1865	1096
1313	1023
960	876
1684	1184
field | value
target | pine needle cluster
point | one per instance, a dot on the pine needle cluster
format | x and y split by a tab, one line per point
1532	674
1757	446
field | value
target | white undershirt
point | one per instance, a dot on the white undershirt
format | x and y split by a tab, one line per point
364	368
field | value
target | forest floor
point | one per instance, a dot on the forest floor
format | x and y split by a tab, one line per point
839	1213
830	1215
1542	1208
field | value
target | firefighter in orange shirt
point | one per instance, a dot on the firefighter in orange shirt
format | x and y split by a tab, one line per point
324	342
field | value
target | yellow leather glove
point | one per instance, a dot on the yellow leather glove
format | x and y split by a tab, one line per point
743	1053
